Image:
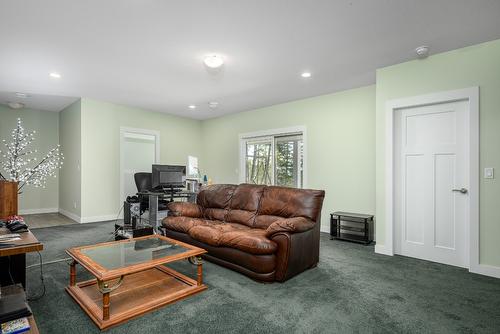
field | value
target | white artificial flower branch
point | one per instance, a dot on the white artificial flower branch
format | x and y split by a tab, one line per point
17	160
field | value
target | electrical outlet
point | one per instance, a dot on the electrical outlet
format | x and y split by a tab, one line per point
489	173
74	205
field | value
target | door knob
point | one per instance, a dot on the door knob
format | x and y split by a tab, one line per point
461	190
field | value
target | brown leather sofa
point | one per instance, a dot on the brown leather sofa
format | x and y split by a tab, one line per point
267	233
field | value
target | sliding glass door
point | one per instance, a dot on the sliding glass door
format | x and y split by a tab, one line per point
259	161
274	160
288	161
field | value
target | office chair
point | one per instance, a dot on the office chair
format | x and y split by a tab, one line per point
143	183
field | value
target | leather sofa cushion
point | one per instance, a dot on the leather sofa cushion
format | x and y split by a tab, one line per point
185	209
209	233
217	196
215	200
238	236
234	258
215	214
247	197
263	221
244	204
290	202
182	224
241	217
252	241
290	225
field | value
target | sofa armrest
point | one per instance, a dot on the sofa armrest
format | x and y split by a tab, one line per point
185	209
290	225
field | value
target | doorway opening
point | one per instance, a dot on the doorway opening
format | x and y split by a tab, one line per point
139	149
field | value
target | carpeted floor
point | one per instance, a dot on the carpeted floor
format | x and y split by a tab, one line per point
353	290
40	220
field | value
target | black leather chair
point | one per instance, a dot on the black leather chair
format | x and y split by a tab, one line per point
143	183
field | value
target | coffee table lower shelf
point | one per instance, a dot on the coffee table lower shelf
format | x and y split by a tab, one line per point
139	293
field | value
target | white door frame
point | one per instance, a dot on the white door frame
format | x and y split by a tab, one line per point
124	130
472	221
273	132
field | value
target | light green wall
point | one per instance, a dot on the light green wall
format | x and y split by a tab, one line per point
46	125
101	122
340	145
472	66
70	139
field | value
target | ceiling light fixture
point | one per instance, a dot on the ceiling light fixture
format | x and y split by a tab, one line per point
306	75
22	95
422	52
192	106
55	75
16	105
213	104
214	61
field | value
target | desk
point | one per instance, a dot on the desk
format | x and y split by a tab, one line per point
16	257
153	202
34	328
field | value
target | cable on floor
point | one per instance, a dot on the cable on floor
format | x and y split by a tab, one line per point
41	263
34	298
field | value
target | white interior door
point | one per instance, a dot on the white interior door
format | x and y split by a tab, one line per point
431	166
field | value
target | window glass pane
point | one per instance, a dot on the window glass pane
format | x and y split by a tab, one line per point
275	160
288	158
259	162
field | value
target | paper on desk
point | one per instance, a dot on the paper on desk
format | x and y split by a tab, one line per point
11	235
10	239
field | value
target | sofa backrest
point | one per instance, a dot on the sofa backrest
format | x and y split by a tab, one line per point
244	204
283	202
215	200
258	205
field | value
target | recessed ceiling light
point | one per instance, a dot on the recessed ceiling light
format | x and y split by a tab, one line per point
306	75
213	104
55	75
22	95
214	61
192	106
16	105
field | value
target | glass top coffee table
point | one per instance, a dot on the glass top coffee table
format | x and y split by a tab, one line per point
131	277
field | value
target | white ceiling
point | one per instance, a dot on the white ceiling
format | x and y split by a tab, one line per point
38	101
148	53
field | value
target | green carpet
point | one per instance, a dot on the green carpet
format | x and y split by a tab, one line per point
353	290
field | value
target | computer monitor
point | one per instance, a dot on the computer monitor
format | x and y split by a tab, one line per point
168	176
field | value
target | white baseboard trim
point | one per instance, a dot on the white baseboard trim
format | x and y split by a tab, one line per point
36	211
380	249
84	220
481	269
487	270
70	215
93	219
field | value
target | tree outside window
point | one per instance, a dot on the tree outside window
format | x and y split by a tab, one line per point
276	160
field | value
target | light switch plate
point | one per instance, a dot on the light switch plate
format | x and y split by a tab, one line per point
489	173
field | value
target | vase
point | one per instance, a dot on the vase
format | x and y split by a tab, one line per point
8	199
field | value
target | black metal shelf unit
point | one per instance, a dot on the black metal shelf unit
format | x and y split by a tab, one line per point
355	227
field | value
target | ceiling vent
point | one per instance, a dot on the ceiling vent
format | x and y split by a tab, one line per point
213	104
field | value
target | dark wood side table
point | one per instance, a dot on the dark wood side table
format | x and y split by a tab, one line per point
355	227
13	259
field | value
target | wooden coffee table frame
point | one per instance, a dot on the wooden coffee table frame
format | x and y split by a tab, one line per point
134	289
